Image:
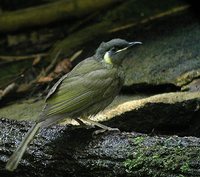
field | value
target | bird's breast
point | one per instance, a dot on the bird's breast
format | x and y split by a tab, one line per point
85	91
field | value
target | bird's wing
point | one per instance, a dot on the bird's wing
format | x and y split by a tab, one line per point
80	69
85	85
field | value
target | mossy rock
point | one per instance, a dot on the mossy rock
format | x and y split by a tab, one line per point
171	50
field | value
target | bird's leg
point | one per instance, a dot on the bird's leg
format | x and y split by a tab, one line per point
104	127
81	123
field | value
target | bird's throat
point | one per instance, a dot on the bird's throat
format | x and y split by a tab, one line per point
107	59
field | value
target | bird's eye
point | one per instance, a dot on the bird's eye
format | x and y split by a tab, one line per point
113	49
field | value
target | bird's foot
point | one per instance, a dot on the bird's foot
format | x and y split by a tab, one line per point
103	127
87	126
97	132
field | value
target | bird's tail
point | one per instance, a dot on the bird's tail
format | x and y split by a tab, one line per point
17	155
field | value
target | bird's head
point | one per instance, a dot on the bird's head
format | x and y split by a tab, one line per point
113	52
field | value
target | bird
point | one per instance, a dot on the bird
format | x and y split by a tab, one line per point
83	92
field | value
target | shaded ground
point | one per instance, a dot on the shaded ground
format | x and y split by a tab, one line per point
151	101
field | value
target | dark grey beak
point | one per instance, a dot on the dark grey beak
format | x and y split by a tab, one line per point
133	43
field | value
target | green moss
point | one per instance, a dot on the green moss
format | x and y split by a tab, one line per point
138	140
185	167
161	158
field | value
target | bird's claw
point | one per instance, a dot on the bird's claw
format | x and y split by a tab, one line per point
97	132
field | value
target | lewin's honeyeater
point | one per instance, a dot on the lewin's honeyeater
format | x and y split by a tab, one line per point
89	88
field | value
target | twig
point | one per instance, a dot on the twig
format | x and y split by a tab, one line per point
10	88
18	58
53	63
75	55
151	18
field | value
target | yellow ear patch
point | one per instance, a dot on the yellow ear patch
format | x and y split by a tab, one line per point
107	58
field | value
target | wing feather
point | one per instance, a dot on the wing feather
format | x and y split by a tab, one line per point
80	89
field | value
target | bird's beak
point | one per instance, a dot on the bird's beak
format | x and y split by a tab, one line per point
133	43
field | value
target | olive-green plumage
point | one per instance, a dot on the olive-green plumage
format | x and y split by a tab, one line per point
89	88
85	91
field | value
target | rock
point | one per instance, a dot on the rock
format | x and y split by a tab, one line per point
167	113
171	50
194	86
189	81
65	151
121	21
188	77
24	110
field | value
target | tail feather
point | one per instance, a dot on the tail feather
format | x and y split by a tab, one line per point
17	155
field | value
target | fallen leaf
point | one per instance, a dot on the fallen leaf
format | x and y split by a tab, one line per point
36	60
45	79
63	66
